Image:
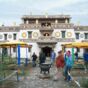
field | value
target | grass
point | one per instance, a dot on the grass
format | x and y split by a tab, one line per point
7	59
7	66
84	82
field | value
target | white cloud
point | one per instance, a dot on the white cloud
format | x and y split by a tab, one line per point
77	13
61	3
15	8
8	0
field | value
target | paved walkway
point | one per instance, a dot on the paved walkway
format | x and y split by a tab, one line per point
33	80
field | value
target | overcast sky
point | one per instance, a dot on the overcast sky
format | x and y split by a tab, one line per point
12	10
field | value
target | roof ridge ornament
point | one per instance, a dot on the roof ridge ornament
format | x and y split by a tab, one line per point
46	14
78	23
30	12
14	23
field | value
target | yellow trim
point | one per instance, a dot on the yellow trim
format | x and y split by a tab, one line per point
24	34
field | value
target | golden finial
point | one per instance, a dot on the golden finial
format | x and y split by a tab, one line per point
1	24
78	23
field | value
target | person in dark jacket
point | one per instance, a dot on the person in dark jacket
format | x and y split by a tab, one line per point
34	57
76	55
52	57
42	57
85	55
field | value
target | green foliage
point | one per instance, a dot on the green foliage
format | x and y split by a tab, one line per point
84	83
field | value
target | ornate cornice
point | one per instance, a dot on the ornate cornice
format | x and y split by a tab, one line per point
44	16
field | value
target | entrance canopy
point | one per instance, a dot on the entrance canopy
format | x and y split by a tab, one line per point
76	45
14	44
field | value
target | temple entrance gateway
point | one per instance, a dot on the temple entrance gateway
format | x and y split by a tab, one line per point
47	51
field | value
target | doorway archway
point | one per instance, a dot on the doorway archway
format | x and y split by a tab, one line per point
47	51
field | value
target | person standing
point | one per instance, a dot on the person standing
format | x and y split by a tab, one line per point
68	65
60	60
85	56
59	64
42	57
34	57
52	57
76	55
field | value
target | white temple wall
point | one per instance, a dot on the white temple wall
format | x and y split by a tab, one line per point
35	33
35	48
81	35
69	33
9	35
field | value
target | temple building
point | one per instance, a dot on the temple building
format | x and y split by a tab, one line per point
44	32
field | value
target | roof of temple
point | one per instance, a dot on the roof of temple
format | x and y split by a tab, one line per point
44	16
9	28
81	28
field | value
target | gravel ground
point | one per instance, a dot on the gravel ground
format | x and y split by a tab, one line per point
33	80
36	80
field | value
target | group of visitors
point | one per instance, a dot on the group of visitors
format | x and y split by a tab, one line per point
61	61
42	58
64	62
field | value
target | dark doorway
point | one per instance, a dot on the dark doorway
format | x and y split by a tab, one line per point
47	51
86	50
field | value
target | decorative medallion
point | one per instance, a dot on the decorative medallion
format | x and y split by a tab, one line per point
10	36
1	36
69	34
57	34
24	34
35	34
81	35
